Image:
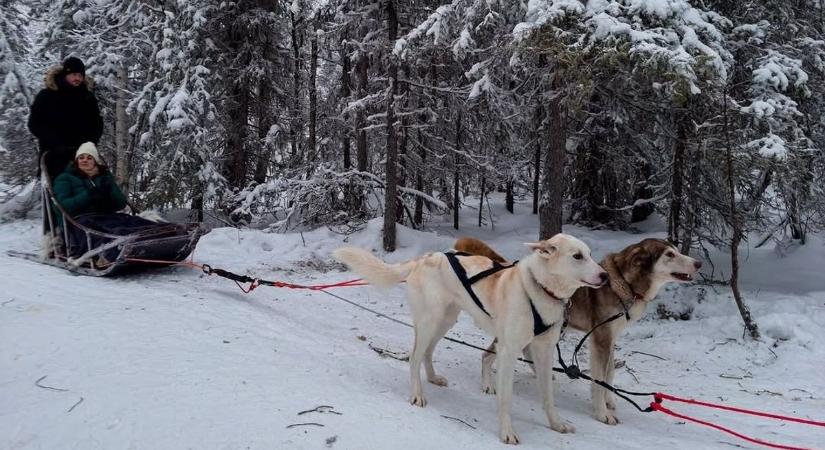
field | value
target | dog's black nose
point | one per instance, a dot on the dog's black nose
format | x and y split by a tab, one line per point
697	265
603	276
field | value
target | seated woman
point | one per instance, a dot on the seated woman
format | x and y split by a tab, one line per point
88	193
87	186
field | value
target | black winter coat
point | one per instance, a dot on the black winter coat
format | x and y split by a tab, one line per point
63	117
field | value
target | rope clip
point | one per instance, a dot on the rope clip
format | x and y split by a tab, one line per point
572	371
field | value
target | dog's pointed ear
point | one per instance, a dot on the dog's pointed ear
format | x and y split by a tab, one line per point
640	257
541	247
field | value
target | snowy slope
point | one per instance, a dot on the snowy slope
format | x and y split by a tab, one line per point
173	359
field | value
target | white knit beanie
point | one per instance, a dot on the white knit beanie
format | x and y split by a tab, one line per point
88	148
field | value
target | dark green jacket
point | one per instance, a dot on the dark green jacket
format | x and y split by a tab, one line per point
79	194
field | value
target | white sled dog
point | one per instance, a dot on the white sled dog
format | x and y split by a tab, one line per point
546	278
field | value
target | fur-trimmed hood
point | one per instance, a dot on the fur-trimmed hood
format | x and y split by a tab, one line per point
50	79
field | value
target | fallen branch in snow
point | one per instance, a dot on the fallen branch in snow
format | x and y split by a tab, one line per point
73	406
717	344
456	418
759	392
632	373
389	353
648	354
305	424
731	377
7	302
37	383
731	444
765	391
321	409
810	396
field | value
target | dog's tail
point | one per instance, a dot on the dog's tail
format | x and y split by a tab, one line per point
371	269
474	246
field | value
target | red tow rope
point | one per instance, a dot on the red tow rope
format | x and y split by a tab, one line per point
312	287
320	287
660	397
253	282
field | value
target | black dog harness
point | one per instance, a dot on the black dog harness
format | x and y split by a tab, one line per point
539	327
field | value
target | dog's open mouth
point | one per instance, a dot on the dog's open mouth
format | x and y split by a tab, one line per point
682	276
592	284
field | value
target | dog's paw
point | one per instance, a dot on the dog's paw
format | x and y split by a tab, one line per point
607	417
418	400
488	388
562	427
508	436
438	380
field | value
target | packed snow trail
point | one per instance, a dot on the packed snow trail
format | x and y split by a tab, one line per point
174	359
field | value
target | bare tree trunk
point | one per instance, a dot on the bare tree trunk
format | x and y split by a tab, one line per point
794	217
264	120
391	188
312	146
422	154
296	120
509	196
456	180
418	217
736	226
552	196
360	116
537	159
197	204
140	124
403	91
690	218
674	221
124	156
345	93
481	201
236	136
642	192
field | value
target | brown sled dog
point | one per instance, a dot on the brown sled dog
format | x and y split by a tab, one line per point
636	275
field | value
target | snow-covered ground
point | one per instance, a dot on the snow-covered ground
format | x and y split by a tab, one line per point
172	359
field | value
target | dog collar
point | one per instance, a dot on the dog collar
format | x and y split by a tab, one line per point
547	291
551	293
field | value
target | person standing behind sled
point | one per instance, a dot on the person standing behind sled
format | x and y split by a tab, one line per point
64	115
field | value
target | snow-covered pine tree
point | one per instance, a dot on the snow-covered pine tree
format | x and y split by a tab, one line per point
177	128
18	152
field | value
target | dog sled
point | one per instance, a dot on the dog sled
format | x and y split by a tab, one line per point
105	244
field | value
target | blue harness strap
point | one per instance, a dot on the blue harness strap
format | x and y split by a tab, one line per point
539	326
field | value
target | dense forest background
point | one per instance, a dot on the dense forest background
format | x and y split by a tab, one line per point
292	114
